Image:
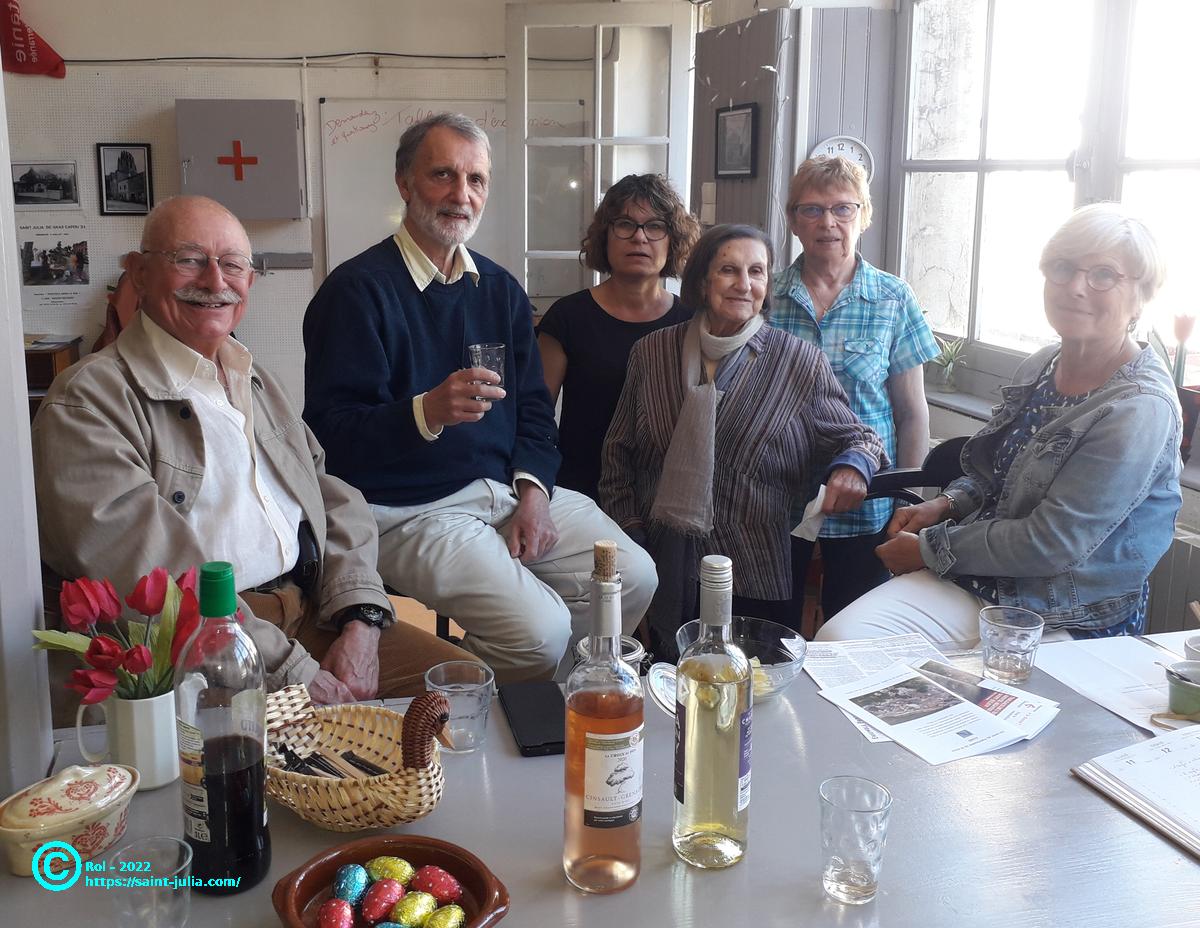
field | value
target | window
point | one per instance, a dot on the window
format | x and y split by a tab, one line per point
1015	112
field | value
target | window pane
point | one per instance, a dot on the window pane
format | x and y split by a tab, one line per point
1163	56
1168	202
947	94
1021	210
1039	77
635	80
561	81
552	278
619	160
939	227
560	197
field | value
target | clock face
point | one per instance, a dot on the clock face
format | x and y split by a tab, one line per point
848	147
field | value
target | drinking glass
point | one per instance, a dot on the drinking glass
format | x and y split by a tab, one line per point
1009	637
467	686
854	820
166	863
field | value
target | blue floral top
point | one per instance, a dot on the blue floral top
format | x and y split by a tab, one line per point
1044	404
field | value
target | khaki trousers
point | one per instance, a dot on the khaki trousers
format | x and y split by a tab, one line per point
405	652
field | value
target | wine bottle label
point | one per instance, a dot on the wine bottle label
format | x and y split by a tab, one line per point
680	750
744	761
612	779
191	773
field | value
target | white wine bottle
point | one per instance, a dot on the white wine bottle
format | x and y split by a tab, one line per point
713	694
603	747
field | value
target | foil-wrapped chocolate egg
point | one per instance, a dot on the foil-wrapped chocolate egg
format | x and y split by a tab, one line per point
413	910
350	882
390	868
379	899
448	916
335	913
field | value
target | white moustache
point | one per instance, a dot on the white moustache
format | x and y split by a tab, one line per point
207	297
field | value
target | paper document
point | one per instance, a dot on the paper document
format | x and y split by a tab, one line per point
1025	711
1157	780
922	716
1121	674
812	519
834	663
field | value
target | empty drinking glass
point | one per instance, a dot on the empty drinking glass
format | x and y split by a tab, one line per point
157	892
854	820
467	686
1009	637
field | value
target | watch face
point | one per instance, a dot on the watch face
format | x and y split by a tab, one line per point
848	147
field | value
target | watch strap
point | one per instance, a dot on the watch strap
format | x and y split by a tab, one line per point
367	613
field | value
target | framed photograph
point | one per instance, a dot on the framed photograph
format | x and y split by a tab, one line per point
125	186
39	185
737	140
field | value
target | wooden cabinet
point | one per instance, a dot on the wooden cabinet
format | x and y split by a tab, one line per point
45	362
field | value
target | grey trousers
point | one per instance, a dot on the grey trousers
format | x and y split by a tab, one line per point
519	618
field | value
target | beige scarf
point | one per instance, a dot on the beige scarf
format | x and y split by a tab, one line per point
683	501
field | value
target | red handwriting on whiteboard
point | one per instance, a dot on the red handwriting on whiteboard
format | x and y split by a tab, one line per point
344	128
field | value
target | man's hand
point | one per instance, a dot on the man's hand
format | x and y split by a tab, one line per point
922	515
354	659
845	491
530	533
461	397
901	554
327	690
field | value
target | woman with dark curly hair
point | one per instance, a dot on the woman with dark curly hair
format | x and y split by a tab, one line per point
640	235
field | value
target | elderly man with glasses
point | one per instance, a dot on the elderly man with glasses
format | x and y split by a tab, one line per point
171	447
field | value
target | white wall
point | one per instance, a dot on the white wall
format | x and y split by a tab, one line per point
725	12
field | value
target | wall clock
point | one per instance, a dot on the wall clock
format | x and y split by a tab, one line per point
848	147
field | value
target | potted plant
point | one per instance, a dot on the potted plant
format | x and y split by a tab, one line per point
942	367
129	671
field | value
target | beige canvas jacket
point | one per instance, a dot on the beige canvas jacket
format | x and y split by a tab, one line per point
119	459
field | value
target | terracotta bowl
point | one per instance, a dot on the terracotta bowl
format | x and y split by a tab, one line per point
299	894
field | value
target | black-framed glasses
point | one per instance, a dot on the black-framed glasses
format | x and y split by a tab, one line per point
191	262
656	229
1099	277
842	212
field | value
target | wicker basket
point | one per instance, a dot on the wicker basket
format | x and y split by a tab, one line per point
409	791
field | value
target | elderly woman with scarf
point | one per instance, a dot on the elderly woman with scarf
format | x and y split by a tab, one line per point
722	421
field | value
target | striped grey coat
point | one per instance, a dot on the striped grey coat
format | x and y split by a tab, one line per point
781	422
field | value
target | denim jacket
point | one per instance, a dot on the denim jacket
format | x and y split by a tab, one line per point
1088	506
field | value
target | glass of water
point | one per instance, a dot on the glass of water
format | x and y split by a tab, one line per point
1009	637
157	874
467	686
854	820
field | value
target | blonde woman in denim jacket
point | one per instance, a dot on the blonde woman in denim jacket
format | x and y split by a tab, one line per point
1070	492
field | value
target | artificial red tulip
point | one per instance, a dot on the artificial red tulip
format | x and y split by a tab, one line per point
104	653
77	602
187	580
138	659
107	599
94	685
186	623
150	592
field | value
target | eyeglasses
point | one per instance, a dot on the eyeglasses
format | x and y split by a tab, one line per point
842	212
655	229
191	262
1100	278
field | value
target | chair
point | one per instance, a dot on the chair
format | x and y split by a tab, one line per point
940	467
443	621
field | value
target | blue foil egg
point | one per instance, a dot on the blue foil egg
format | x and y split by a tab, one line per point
350	883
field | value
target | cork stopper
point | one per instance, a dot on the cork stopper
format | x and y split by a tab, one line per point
605	561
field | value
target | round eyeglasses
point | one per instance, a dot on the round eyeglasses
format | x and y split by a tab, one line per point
655	229
1100	277
842	212
191	262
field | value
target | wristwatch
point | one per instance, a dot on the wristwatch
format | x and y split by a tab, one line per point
372	615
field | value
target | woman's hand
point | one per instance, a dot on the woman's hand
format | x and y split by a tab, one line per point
901	554
845	491
922	515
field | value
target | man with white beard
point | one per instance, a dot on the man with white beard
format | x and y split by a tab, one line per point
459	470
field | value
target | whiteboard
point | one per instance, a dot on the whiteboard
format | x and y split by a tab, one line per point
358	159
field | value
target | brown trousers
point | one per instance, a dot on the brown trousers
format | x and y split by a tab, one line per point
405	652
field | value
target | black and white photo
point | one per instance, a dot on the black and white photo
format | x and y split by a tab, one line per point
125	182
41	185
737	140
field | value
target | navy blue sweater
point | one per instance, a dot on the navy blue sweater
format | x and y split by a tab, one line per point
373	341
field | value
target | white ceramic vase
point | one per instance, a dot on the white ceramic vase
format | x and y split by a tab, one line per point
141	734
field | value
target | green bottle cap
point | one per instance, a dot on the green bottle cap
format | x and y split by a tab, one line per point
218	596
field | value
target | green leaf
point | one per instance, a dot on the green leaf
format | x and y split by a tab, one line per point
136	632
160	646
51	640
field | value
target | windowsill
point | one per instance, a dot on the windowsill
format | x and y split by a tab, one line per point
976	407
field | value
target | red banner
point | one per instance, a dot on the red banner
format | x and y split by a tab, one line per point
24	51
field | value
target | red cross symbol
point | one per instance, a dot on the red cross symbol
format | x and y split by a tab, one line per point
237	160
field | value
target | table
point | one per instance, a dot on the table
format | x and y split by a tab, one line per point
1007	839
